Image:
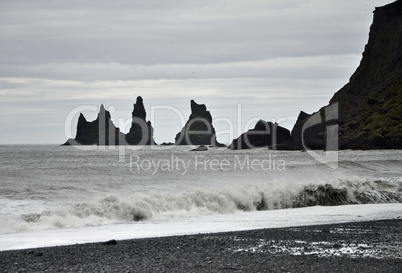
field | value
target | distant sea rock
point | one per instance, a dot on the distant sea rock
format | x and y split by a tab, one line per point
167	144
264	134
102	131
141	131
200	148
370	105
198	129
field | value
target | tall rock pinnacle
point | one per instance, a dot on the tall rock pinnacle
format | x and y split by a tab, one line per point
141	131
198	129
139	109
101	131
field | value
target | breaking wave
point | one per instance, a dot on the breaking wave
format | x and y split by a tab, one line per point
162	205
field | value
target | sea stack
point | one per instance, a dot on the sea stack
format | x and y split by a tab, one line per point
369	107
101	131
141	131
198	129
264	134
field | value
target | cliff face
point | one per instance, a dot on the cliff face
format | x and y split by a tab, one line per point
264	134
141	131
370	105
198	129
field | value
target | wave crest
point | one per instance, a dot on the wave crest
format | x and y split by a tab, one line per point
162	205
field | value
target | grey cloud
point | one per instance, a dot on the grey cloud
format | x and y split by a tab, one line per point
7	84
310	67
274	57
164	33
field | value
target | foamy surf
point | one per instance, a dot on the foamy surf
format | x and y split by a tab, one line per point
56	189
317	215
160	206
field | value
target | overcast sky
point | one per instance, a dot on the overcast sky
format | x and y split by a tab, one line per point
270	59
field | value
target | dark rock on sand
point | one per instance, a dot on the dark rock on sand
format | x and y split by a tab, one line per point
264	134
198	129
370	105
110	242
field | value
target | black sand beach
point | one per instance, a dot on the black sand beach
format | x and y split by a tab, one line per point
374	246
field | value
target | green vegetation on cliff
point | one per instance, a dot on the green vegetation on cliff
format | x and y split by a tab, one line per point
370	105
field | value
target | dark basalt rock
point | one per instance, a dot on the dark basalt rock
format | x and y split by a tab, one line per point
370	105
167	144
198	129
297	129
264	134
311	135
110	242
69	142
141	131
102	131
200	148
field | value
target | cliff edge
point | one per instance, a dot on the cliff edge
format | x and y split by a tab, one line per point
370	104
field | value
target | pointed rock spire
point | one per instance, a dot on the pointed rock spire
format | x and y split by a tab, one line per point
101	131
141	132
198	129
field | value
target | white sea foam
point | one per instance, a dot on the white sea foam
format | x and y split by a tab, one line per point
48	188
167	205
205	224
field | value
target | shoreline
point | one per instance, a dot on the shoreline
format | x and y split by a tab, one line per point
370	246
280	218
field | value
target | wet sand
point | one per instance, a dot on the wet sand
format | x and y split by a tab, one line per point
374	246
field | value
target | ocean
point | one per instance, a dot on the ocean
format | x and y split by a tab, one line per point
55	195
